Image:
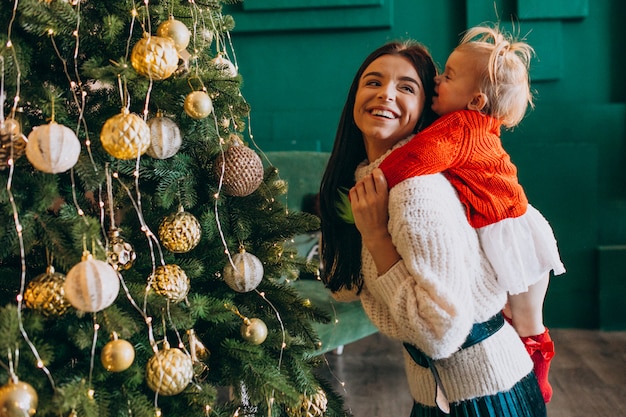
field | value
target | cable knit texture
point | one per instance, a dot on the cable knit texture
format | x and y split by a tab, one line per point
465	145
442	285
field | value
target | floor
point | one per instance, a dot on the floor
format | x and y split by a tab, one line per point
588	375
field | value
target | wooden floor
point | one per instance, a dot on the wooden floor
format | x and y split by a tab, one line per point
588	375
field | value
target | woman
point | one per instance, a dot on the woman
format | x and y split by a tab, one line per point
412	257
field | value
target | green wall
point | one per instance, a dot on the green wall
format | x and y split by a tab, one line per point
298	57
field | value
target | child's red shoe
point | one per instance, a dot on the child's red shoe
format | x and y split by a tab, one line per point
541	350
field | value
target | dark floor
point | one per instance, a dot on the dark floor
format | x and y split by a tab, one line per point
588	375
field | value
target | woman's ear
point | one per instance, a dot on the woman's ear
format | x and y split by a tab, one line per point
478	102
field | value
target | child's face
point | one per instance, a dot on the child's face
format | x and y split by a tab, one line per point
388	103
457	87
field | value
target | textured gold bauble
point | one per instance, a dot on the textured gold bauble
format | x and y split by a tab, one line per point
120	254
125	135
242	168
12	141
245	273
177	31
165	137
198	105
91	285
170	281
169	371
180	232
117	355
45	294
155	57
18	399
311	405
254	331
52	148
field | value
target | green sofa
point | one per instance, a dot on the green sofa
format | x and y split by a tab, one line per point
302	170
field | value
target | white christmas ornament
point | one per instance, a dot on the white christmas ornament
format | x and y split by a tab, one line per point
224	66
245	273
165	137
52	148
91	285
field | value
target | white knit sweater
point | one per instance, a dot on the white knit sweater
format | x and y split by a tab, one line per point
431	298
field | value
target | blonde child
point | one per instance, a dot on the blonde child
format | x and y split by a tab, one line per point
485	85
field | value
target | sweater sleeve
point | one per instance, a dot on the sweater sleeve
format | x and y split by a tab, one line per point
425	298
435	149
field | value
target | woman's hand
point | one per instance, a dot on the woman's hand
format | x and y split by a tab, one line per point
369	199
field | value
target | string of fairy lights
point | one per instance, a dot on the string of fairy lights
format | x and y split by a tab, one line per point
204	29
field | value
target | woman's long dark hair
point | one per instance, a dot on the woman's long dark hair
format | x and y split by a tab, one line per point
341	248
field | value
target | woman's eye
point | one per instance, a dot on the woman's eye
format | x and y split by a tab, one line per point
408	88
372	82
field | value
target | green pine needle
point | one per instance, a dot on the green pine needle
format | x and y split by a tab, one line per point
344	209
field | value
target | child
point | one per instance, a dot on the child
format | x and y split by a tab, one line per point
486	85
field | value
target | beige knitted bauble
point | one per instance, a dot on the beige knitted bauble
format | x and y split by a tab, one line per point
242	168
245	273
311	405
165	137
169	371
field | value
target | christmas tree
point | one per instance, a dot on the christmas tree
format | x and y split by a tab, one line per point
145	247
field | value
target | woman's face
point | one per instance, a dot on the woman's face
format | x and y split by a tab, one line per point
388	103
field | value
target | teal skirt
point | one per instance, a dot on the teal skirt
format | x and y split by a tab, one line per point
523	400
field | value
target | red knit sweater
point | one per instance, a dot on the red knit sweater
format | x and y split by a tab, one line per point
465	146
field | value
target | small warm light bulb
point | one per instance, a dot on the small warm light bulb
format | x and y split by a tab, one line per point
91	393
19	298
39	364
81	212
9	43
50	32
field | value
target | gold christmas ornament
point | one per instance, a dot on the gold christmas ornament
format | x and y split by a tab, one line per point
120	254
177	31
180	232
242	168
18	399
45	294
155	57
165	137
169	371
198	105
52	148
91	285
224	66
245	273
254	331
125	135
117	355
12	141
311	406
170	281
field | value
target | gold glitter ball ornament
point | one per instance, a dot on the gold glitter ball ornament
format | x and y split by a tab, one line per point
254	331
45	294
165	137
242	170
177	31
18	399
198	105
155	57
125	135
170	281
52	148
117	355
245	273
91	285
180	232
169	371
12	142
120	254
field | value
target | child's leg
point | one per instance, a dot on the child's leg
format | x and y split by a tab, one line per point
526	312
